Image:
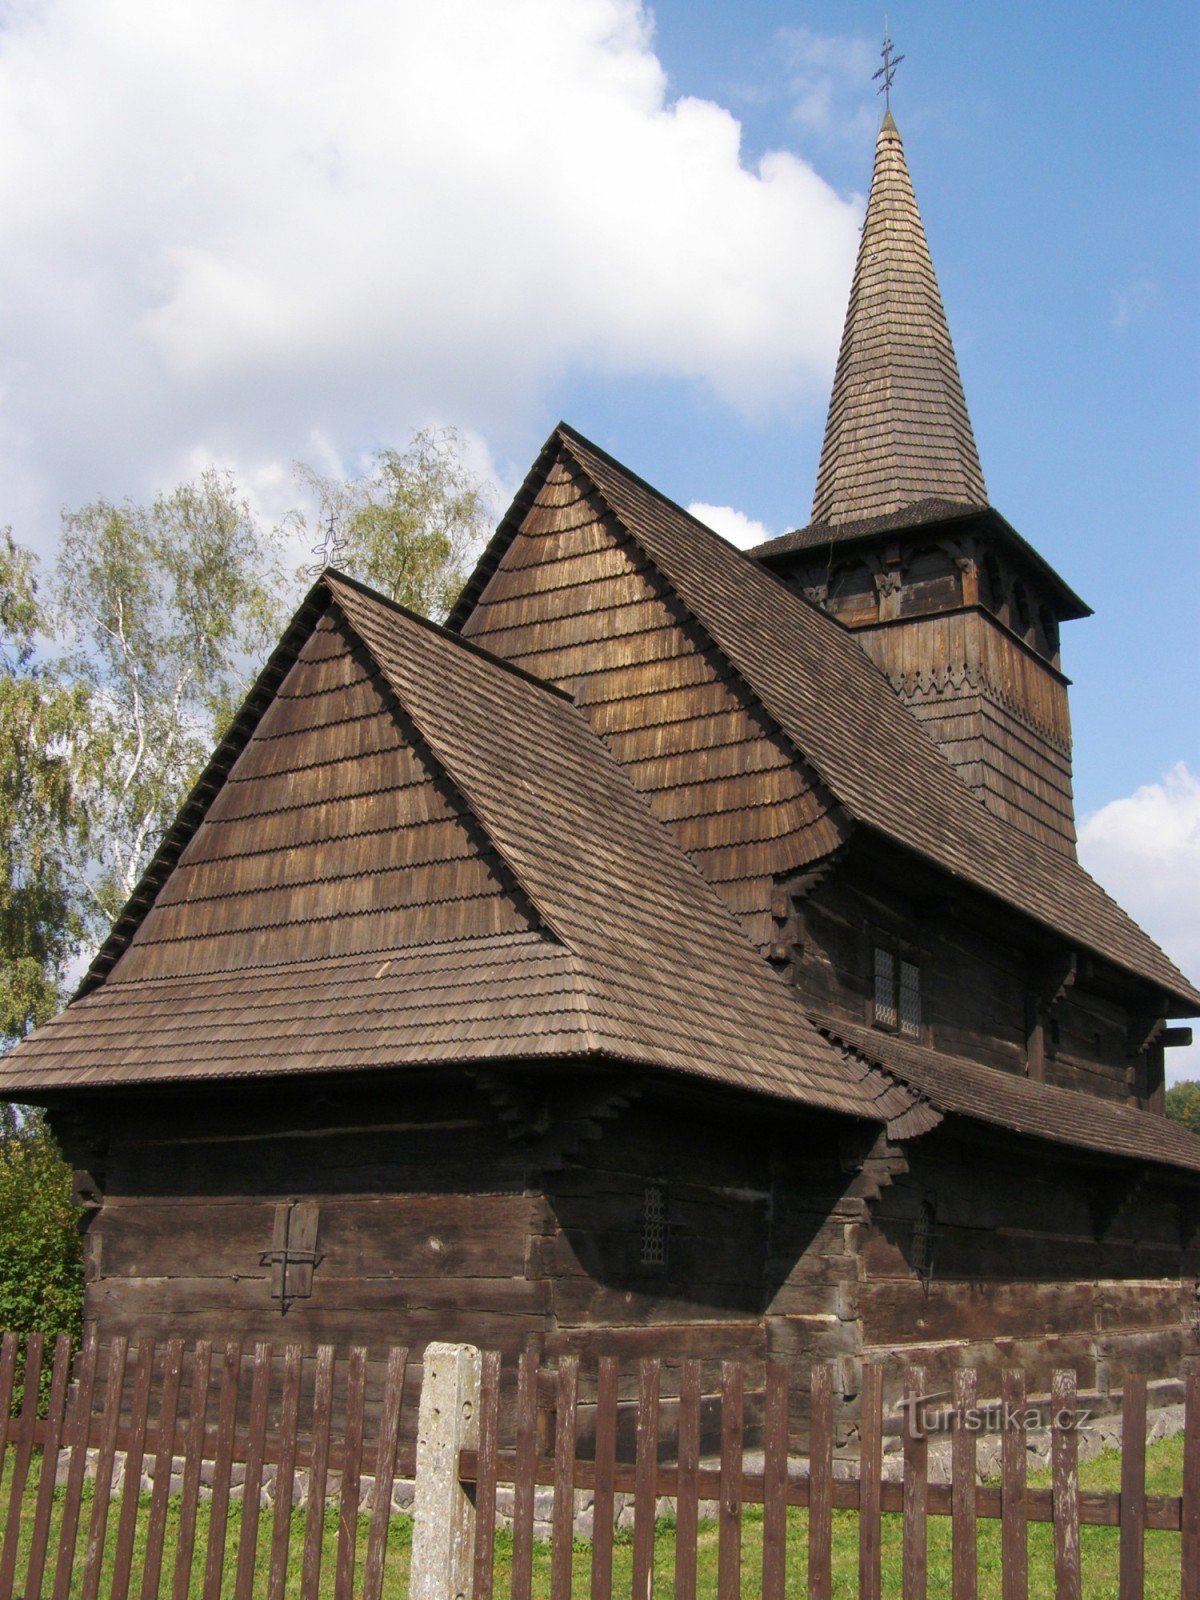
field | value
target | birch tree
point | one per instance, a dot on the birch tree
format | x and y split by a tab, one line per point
410	525
40	818
166	611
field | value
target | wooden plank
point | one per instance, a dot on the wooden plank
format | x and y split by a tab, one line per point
31	1377
77	1431
285	1471
1133	1488
602	1499
485	1483
1014	1552
356	1388
820	1476
1064	1451
8	1372
649	1371
562	1530
260	1392
916	1482
131	1480
318	1473
168	1416
218	1517
1189	1553
775	1470
688	1456
964	1566
870	1526
385	1471
39	1537
114	1387
729	1516
523	1487
193	1457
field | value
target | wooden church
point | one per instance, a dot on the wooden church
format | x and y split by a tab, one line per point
682	952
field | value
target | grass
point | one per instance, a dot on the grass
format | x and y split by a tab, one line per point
1099	1549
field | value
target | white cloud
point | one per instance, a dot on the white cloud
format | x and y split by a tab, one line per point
731	524
827	73
1145	850
231	225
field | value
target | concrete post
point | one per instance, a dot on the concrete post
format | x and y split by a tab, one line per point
443	1513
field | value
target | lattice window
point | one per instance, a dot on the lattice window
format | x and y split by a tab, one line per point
897	993
910	999
654	1225
885	987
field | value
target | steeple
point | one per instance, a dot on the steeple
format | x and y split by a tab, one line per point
898	432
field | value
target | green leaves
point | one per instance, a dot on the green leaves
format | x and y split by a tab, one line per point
411	524
1183	1104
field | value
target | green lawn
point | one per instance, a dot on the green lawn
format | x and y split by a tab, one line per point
1164	1465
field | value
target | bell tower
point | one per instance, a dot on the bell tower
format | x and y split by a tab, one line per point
960	614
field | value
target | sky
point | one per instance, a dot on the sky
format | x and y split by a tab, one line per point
247	232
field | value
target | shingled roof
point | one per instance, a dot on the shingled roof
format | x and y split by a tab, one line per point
1042	1110
838	710
467	874
898	430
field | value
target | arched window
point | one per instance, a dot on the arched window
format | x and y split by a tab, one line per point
1048	631
993	586
852	594
931	582
1021	618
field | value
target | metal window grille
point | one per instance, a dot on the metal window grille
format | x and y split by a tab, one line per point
910	999
885	987
654	1226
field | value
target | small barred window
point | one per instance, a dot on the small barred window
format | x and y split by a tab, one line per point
910	999
897	995
885	987
654	1226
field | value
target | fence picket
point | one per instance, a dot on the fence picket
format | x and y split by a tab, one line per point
318	1474
193	1459
563	1524
30	1380
870	1489
260	1387
40	1536
81	1416
1014	1544
688	1460
485	1488
1189	1519
285	1471
1064	1449
729	1523
385	1470
820	1489
602	1498
916	1470
1133	1488
356	1389
164	1457
131	1478
114	1385
964	1576
218	1510
8	1371
523	1490
647	1469
775	1473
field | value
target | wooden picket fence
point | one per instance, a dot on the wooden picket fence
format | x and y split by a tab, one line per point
208	1427
688	1481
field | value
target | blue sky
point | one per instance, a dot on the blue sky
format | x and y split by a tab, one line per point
249	231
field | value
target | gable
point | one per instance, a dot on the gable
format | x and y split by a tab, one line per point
574	600
335	833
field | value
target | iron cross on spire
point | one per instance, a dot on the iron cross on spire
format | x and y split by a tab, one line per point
330	550
888	70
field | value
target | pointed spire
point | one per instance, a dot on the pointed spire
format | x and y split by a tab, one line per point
898	430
